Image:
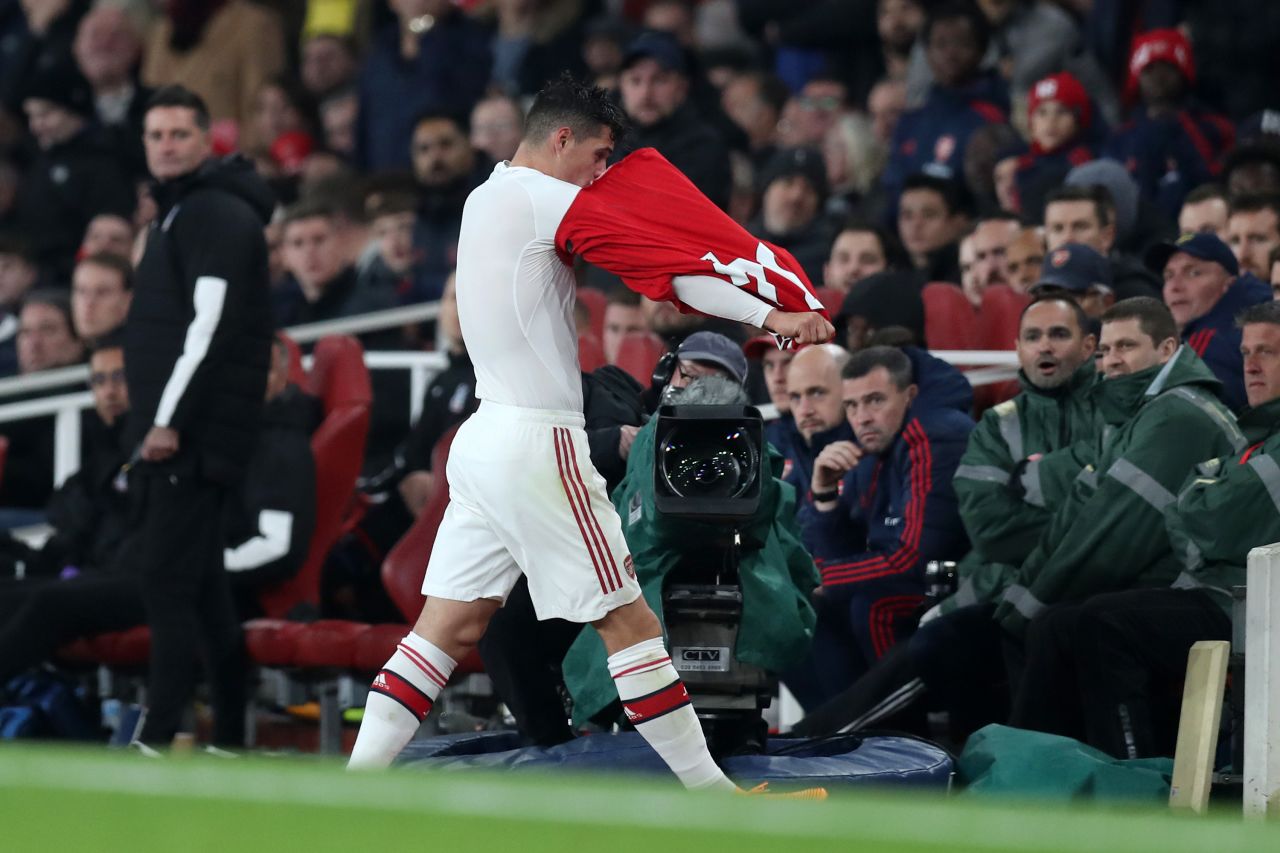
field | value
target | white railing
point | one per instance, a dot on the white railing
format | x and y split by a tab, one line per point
994	366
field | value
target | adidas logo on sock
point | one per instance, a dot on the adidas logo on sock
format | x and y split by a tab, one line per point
380	681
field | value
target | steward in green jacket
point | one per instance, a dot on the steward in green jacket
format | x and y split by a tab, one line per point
1162	417
1229	508
1109	670
1025	452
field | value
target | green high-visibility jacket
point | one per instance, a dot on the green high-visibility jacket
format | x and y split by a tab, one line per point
1230	506
1006	499
1110	533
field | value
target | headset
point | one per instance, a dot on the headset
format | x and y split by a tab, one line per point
665	369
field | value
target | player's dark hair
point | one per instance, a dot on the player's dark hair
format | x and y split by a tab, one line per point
1152	315
891	359
583	109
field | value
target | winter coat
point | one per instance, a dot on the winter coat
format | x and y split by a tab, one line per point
1109	536
198	336
1172	155
64	188
933	137
90	511
1228	507
1216	339
693	146
449	74
1006	500
897	509
611	397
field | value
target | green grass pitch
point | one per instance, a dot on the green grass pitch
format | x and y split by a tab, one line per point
57	799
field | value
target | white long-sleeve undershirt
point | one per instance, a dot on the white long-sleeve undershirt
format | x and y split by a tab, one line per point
719	298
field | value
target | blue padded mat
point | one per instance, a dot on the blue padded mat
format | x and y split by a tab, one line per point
845	760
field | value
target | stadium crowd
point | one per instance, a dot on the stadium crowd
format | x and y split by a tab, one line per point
1094	185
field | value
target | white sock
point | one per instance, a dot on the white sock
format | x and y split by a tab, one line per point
400	698
657	704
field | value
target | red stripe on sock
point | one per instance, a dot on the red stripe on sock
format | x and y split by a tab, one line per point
645	708
402	690
644	667
435	675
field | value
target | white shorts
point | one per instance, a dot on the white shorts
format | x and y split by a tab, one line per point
524	497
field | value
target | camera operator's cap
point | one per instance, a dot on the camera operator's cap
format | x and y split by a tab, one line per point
715	349
755	348
662	48
1206	247
1074	267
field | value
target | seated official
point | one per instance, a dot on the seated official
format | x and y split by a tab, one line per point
883	506
1205	290
1108	670
1022	457
1016	471
813	390
1160	416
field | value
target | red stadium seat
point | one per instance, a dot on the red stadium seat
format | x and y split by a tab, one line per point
406	566
998	318
950	322
590	353
998	330
638	354
297	373
830	298
595	302
341	381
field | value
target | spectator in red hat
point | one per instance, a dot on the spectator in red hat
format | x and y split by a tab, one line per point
1169	144
1061	118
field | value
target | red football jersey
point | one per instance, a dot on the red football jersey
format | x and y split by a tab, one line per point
645	222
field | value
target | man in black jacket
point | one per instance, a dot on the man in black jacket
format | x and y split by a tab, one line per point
197	348
655	94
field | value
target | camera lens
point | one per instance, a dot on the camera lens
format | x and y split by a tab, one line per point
696	461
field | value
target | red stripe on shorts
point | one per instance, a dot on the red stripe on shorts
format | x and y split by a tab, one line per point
571	494
612	565
645	708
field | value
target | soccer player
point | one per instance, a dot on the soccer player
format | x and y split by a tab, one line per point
524	495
